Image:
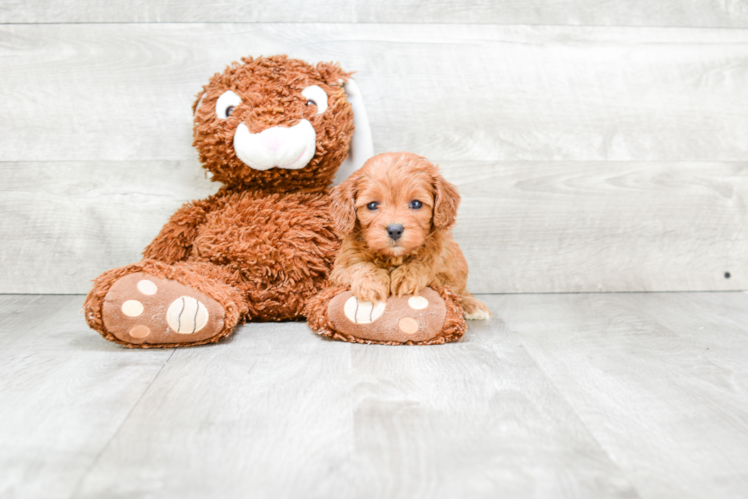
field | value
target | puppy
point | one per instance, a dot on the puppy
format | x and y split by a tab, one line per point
395	215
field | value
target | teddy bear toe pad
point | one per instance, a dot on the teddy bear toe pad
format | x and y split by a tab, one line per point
144	309
416	318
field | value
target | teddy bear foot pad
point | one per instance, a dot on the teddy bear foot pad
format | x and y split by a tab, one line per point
413	318
143	309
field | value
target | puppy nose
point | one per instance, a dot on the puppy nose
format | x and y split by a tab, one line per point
395	231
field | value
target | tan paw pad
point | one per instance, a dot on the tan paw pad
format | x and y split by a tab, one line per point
147	287
408	325
418	302
400	319
361	312
140	331
143	309
187	315
132	308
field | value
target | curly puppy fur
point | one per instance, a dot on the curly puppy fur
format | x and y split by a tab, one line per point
406	192
264	243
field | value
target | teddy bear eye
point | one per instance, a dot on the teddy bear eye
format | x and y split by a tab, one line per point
316	96
373	205
415	204
226	104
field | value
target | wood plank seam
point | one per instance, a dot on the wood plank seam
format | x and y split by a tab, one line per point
103	449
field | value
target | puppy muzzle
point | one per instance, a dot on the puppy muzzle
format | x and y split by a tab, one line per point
395	231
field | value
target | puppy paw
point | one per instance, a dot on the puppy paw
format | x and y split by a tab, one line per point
371	289
407	281
475	309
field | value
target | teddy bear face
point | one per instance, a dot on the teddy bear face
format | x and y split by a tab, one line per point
274	123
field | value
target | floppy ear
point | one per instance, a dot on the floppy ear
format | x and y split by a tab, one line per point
446	201
198	101
343	205
362	147
332	73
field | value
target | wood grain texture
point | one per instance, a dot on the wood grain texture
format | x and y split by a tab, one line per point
269	415
475	419
67	222
450	92
655	378
572	395
603	226
64	393
544	129
523	226
565	12
280	412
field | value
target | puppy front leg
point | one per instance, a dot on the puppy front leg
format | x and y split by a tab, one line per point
410	279
368	282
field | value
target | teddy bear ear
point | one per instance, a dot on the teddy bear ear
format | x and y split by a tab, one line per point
362	147
198	101
332	73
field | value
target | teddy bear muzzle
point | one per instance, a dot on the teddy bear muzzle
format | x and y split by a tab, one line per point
289	148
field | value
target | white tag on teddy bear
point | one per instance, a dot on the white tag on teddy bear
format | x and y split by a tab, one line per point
362	147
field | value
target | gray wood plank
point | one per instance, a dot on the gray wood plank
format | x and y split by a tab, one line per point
20	313
523	226
573	12
66	223
266	413
476	419
107	92
64	393
280	412
573	227
666	400
559	395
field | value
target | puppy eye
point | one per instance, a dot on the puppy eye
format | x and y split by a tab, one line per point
317	97
415	204
373	205
226	104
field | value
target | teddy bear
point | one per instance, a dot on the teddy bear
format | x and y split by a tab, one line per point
274	131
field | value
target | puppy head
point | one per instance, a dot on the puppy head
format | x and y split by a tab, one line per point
396	201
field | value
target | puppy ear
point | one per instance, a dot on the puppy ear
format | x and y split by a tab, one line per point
343	205
446	201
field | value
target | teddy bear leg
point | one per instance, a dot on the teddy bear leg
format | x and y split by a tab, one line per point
152	304
432	317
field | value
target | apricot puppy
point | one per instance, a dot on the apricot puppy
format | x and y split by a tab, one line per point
396	215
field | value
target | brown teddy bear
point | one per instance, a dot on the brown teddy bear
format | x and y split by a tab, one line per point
274	131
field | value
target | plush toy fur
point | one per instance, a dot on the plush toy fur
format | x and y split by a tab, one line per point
259	248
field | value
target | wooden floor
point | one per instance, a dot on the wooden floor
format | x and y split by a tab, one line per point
568	395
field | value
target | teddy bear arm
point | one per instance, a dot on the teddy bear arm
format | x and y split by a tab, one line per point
174	242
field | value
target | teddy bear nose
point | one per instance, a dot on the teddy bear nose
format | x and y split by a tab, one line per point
395	231
273	138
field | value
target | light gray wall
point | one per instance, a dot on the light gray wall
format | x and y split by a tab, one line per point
598	146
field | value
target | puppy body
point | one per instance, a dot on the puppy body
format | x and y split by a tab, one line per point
395	215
